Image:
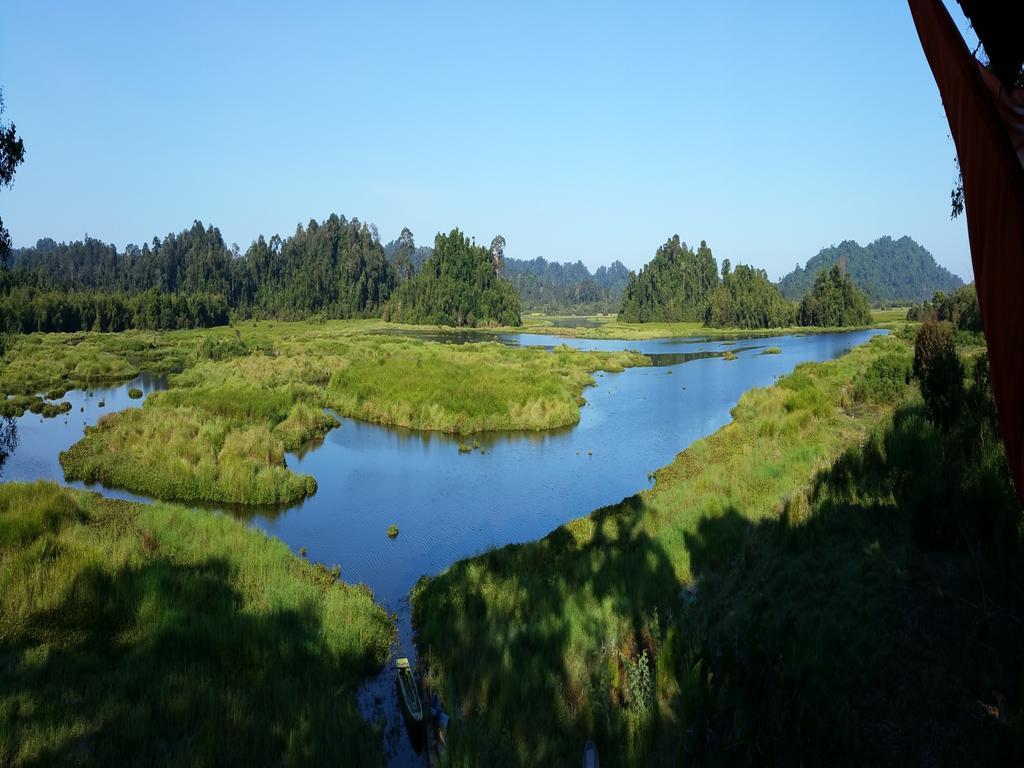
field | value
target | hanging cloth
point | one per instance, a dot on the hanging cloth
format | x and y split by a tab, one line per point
987	124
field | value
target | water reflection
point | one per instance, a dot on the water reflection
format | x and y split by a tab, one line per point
8	439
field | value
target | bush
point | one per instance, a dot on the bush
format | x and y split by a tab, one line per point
134	393
939	372
885	380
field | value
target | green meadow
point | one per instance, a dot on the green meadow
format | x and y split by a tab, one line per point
152	634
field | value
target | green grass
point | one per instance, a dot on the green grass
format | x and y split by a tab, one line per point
139	635
180	453
541	644
220	432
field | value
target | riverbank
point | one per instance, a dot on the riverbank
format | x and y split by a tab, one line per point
161	635
746	609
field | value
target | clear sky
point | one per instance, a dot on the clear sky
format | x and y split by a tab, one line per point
589	131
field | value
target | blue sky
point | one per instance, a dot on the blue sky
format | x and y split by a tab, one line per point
590	131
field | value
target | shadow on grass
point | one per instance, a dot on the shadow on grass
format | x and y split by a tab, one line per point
856	628
162	664
506	628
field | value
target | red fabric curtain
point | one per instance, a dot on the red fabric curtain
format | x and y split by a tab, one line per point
987	123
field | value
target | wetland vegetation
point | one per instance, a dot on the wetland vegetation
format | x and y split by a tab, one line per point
144	634
831	506
248	395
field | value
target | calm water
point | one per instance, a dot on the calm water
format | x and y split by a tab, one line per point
516	487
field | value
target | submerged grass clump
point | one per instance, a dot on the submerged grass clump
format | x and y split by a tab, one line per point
772	351
392	531
173	637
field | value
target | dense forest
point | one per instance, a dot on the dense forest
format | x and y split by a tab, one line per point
834	301
673	287
888	271
746	298
459	284
336	267
569	288
680	284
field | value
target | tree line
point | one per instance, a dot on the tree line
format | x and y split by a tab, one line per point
26	310
681	284
960	309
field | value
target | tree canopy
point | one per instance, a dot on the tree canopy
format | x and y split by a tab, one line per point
888	271
12	154
457	285
673	287
746	298
834	301
960	308
336	268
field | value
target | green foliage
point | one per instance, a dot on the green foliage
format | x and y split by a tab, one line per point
190	279
960	309
458	285
834	302
746	298
180	453
12	154
392	531
888	271
152	634
885	380
27	310
796	600
135	393
938	371
550	621
675	286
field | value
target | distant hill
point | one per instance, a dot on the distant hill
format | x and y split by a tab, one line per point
888	271
550	286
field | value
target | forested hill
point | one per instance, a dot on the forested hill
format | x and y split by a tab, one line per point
459	284
674	286
888	271
336	267
550	286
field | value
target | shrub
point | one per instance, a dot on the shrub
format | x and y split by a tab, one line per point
939	372
884	380
134	393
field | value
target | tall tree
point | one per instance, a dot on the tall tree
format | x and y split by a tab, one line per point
12	154
498	252
673	287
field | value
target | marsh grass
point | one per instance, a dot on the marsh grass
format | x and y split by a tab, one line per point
142	635
220	432
534	640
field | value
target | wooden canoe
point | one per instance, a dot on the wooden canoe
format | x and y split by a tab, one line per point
410	693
